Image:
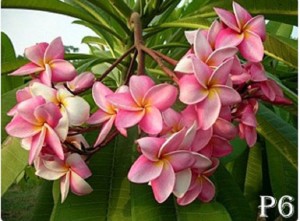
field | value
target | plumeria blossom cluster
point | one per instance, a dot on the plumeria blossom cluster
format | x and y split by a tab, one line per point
220	80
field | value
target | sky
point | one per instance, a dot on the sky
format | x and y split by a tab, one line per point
27	27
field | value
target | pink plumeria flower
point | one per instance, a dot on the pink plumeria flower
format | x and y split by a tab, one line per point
72	171
143	104
244	31
21	95
106	113
47	60
216	147
208	90
238	74
81	82
203	51
35	121
224	128
74	109
201	186
160	160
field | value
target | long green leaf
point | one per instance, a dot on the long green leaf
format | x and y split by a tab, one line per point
231	196
280	134
13	162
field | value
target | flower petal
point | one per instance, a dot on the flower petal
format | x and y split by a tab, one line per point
201	139
48	93
224	129
144	170
221	54
150	146
27	69
52	140
208	190
228	38
228	18
191	92
201	162
18	127
190	36
100	91
182	182
242	15
78	185
202	71
173	142
105	130
251	47
184	65
171	117
99	117
161	96
213	32
190	195
123	101
78	165
48	113
151	123
62	127
62	70
250	135
227	95
189	137
257	25
78	110
46	76
138	86
37	143
208	110
64	186
163	185
220	75
202	47
55	50
36	53
221	147
127	119
180	159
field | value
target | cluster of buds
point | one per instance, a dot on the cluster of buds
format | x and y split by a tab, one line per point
179	149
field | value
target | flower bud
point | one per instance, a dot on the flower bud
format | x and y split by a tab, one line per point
81	82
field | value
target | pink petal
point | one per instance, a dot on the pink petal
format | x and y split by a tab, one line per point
36	53
248	117
221	54
62	70
127	119
52	140
250	135
47	174
64	186
241	14
191	194
100	91
202	47
151	123
268	91
221	147
209	110
257	25
163	185
201	161
18	127
26	109
48	113
220	75
189	116
105	131
150	146
258	72
228	18
99	117
78	165
56	165
123	101
189	137
190	36
191	91
207	150
208	190
78	110
138	86
46	76
212	168
224	129
36	145
251	47
182	182
213	32
201	139
62	127
78	185
144	170
180	159
227	95
161	96
171	117
48	93
184	65
202	71
228	38
172	143
54	51
27	69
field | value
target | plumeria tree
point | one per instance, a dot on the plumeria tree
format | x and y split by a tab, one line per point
183	110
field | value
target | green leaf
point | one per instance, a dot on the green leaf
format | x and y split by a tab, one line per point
10	66
231	196
279	29
122	8
239	146
110	199
55	6
13	162
281	51
279	133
